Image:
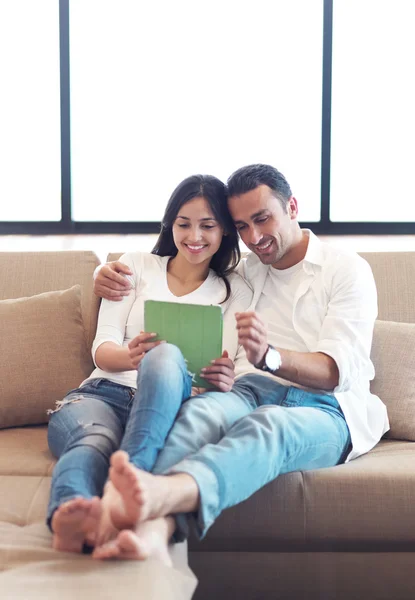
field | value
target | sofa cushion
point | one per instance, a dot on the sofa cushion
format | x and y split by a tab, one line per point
24	451
363	505
43	353
31	569
28	273
366	503
23	499
393	355
394	274
271	519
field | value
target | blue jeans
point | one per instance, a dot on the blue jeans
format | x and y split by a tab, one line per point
97	419
234	443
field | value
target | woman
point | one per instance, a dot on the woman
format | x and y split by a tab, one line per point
131	399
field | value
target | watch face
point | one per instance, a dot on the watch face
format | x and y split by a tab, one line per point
272	359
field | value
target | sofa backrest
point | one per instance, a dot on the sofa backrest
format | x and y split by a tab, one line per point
30	273
394	273
114	256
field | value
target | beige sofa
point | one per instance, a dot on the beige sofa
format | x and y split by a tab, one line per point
346	532
44	346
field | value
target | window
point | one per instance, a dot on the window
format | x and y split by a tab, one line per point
160	91
373	115
131	97
30	182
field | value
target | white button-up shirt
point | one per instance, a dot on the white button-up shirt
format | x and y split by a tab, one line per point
335	307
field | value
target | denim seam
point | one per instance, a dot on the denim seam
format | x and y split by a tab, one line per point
304	508
187	381
132	393
313	446
294	402
323	444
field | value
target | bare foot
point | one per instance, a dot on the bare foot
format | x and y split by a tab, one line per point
149	540
106	530
145	496
142	494
74	523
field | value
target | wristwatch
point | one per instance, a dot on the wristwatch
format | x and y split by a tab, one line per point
271	361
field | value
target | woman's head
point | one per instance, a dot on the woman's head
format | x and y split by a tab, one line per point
198	225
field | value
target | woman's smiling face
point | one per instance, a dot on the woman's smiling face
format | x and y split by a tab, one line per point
197	234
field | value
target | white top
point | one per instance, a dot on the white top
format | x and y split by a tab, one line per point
333	309
120	322
277	298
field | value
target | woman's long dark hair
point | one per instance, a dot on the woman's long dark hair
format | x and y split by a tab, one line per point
224	261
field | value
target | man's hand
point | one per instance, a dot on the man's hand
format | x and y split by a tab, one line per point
252	335
139	346
221	373
109	284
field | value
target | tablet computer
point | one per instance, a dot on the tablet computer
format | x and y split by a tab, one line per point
196	329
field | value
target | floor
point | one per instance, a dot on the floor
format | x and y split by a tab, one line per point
102	244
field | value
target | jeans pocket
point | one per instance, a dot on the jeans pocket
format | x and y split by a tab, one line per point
294	397
93	383
131	392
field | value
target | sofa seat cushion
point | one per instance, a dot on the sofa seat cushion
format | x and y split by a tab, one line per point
23	498
271	519
367	503
24	451
363	505
31	569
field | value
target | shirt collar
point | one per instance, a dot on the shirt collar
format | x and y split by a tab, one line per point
315	252
314	255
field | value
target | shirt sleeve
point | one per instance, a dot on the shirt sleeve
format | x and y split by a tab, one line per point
113	316
239	301
347	329
97	270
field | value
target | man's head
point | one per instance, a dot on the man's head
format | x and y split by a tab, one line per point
265	213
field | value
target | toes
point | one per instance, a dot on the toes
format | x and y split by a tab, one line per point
70	507
78	503
119	460
136	485
129	544
91	538
109	550
95	508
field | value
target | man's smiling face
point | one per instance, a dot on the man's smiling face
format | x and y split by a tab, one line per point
266	224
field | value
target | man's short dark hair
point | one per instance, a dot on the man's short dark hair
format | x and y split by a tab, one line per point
248	178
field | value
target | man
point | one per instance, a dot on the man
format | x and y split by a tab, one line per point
301	398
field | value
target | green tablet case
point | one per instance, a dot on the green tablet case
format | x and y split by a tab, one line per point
194	328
